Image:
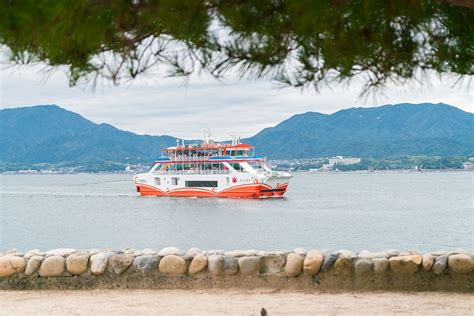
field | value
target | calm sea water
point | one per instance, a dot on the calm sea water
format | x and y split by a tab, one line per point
376	211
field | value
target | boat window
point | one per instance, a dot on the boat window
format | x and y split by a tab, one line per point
201	184
238	167
157	181
174	181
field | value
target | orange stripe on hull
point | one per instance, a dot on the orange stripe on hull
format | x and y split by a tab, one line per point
241	191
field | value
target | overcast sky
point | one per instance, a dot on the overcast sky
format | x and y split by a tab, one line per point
231	107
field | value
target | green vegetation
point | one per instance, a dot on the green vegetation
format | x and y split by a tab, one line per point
300	43
417	162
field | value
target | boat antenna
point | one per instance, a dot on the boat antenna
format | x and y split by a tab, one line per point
207	136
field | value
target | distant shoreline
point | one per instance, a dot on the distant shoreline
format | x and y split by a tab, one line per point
293	172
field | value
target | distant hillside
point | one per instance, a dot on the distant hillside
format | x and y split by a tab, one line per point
48	133
385	131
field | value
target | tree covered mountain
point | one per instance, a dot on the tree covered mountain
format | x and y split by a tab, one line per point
385	131
50	134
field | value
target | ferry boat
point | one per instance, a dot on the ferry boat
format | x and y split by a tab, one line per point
212	170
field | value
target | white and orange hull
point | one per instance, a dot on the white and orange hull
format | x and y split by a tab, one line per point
252	190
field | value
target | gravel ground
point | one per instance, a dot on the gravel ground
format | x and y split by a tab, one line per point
232	302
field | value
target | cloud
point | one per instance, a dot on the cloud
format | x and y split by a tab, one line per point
166	106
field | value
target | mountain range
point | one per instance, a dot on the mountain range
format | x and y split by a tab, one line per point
51	134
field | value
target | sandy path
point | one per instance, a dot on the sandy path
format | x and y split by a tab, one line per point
230	302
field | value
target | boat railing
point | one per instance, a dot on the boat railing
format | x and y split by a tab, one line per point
191	172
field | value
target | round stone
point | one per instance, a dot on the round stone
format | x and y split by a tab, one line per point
33	252
249	265
231	265
52	266
149	252
272	264
99	262
343	265
33	265
146	263
300	251
170	251
440	264
363	266
216	264
173	265
9	265
60	252
380	265
427	262
198	264
405	264
329	261
120	263
461	263
294	264
191	253
77	263
371	255
313	262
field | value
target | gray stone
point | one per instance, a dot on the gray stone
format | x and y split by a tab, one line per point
371	255
231	265
99	262
215	264
198	264
391	253
405	264
241	253
33	264
313	262
77	263
52	266
170	251
120	263
9	265
294	264
173	264
149	252
33	252
272	264
191	252
346	254
249	265
94	251
380	265
440	264
363	266
461	263
329	261
60	252
300	251
427	262
214	252
146	263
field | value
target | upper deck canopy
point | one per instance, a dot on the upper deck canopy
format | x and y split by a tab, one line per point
209	147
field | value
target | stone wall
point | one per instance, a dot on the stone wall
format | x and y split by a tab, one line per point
171	268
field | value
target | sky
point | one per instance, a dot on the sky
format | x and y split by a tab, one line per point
229	107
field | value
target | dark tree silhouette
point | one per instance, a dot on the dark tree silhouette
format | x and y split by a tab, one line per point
297	42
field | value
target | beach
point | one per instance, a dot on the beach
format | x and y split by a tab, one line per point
232	302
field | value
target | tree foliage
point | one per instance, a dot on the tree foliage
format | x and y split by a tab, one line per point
299	43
